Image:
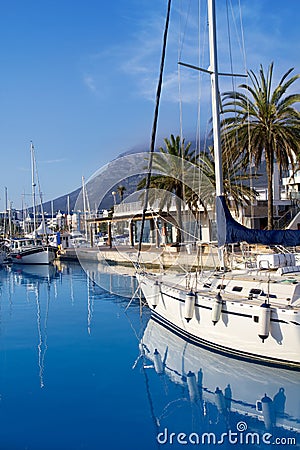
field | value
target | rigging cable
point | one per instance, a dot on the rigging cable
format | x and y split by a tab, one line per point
249	127
154	129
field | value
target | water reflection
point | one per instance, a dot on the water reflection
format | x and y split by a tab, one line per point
34	272
116	280
225	395
41	288
37	280
66	349
60	331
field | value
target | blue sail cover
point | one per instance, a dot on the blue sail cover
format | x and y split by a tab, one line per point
230	231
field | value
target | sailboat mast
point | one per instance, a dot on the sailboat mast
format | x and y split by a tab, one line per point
214	76
68	213
33	185
6	209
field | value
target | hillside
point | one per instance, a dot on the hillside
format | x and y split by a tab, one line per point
103	189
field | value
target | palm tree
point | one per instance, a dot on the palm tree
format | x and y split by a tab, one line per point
121	190
169	165
191	178
266	122
237	192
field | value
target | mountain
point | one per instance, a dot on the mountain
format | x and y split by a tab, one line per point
130	184
61	203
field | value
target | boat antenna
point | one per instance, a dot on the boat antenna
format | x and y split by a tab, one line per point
154	128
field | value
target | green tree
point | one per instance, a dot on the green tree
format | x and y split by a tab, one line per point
190	177
121	190
169	169
263	123
237	190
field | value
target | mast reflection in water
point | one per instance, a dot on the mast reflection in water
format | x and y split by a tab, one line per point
68	347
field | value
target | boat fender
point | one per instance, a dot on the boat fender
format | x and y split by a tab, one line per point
157	361
266	407
217	309
192	387
264	321
189	305
220	400
200	377
228	397
156	295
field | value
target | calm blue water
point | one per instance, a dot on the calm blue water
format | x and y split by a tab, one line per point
74	375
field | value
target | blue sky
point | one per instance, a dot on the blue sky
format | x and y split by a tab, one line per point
78	78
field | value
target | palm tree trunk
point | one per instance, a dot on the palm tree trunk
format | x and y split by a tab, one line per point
178	203
179	237
269	163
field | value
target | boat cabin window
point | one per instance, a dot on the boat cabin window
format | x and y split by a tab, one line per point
237	288
255	291
263	294
26	243
221	286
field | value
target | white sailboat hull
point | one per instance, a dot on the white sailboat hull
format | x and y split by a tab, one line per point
3	256
236	332
39	255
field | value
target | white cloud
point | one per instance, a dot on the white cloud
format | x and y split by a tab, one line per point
137	59
53	161
89	81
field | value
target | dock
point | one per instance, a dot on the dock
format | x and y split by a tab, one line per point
150	257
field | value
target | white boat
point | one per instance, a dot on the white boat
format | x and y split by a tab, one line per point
239	390
3	253
77	239
250	315
31	251
68	239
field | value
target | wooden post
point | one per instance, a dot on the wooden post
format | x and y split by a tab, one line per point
164	233
109	240
156	233
131	234
91	236
152	231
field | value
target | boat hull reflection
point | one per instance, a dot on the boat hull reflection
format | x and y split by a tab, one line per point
266	396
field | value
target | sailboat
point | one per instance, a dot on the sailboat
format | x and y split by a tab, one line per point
32	250
3	253
248	315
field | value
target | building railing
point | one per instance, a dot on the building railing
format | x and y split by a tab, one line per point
285	220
